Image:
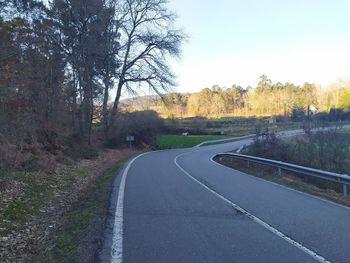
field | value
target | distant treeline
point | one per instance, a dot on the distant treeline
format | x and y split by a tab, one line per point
266	99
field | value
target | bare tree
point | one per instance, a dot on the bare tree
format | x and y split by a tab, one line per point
147	39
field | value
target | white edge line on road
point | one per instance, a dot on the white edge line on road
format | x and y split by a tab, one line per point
283	186
254	218
117	240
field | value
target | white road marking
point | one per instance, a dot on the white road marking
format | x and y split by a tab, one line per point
117	241
254	218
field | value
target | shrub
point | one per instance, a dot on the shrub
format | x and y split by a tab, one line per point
143	125
78	148
326	150
298	114
89	152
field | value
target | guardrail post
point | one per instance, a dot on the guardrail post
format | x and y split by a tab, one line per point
279	171
342	179
345	189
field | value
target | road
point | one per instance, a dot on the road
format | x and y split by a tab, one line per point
180	206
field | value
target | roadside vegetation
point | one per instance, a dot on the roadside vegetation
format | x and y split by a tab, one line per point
78	238
326	150
51	214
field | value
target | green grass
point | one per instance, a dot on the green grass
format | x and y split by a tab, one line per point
242	128
345	130
68	241
236	126
180	141
37	193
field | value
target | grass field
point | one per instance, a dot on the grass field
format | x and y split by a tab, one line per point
230	126
238	126
209	129
180	141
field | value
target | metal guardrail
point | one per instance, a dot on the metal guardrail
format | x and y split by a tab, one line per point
342	179
232	139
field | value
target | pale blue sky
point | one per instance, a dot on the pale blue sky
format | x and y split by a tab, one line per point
236	41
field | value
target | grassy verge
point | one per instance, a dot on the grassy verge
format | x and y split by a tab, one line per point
31	207
37	191
314	186
180	141
58	216
79	237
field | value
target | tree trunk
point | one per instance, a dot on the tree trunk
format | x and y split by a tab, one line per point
105	106
115	105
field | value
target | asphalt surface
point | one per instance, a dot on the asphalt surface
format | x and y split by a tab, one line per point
177	208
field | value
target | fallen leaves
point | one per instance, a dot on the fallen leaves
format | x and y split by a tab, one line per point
20	241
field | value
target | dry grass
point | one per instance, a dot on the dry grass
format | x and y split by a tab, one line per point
33	204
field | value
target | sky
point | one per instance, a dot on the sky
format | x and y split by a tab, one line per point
236	41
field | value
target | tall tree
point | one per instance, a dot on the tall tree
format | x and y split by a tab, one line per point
107	62
147	39
78	27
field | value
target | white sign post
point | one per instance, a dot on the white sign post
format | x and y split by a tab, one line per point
130	139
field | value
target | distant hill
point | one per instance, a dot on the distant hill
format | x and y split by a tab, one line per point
147	102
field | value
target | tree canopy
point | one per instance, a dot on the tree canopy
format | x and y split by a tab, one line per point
266	99
59	62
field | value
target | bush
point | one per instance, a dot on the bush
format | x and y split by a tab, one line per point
143	125
32	164
298	114
326	150
282	118
321	117
337	115
89	152
78	148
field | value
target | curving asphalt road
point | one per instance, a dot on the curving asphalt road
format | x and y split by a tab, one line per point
180	206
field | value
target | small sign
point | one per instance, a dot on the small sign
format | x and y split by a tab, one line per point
272	120
130	138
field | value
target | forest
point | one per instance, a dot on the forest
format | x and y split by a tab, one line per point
64	65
